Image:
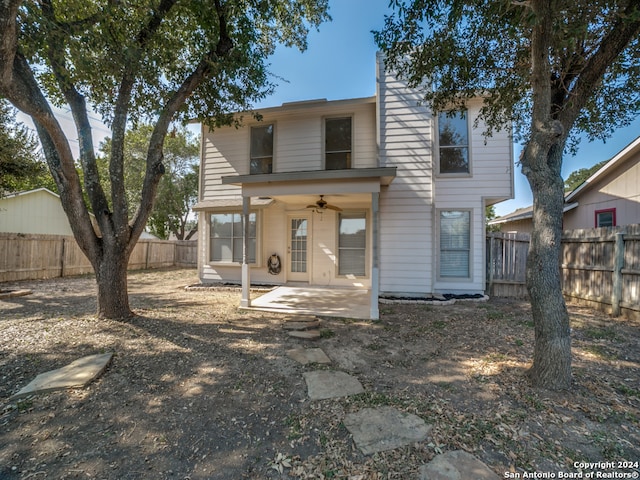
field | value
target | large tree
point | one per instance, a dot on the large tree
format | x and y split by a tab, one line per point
21	165
555	68
178	188
139	60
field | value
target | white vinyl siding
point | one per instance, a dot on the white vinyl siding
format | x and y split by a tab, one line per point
405	136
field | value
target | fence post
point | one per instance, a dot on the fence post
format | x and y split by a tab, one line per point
618	264
491	268
62	254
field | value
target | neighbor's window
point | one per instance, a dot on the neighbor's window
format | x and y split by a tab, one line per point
606	218
455	244
453	140
337	143
352	243
261	149
226	237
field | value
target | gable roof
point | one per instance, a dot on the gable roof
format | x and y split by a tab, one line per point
622	156
29	192
525	213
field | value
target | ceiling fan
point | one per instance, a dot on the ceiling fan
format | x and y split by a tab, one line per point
322	205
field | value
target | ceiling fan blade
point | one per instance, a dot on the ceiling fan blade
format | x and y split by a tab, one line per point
333	207
312	206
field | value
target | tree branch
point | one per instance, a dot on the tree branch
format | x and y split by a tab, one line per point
612	44
154	157
78	107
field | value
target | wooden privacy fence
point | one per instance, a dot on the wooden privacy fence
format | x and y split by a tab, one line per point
27	257
507	264
599	266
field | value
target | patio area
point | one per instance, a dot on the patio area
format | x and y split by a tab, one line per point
308	300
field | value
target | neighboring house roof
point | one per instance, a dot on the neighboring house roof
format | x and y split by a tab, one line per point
571	198
37	211
623	155
525	213
29	192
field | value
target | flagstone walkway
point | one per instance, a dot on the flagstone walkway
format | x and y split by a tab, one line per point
373	429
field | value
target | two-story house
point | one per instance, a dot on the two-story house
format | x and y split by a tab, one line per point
377	193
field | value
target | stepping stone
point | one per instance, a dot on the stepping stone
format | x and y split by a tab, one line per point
323	384
75	375
385	428
301	325
14	293
308	355
305	334
456	465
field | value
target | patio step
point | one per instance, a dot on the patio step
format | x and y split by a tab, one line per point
305	334
301	322
299	326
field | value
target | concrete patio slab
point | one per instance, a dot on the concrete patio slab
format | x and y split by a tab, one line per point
385	428
308	355
75	375
324	384
456	465
330	302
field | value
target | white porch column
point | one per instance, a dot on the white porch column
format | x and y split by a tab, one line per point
375	253
245	301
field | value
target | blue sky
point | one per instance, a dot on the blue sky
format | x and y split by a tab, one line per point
340	63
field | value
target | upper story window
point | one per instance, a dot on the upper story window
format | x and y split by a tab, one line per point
261	149
453	140
337	143
606	218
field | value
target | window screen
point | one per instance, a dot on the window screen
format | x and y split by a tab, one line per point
226	237
453	137
352	242
455	244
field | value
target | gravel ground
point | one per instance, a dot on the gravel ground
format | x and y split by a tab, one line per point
201	390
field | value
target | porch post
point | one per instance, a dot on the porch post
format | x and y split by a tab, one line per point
375	253
245	301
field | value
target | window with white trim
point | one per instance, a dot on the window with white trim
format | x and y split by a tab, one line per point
455	244
261	151
226	237
352	244
453	142
337	143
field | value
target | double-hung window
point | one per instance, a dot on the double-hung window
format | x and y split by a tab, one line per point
226	237
455	244
606	218
261	149
453	141
352	244
337	143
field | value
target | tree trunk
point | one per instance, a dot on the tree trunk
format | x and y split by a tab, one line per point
551	367
111	277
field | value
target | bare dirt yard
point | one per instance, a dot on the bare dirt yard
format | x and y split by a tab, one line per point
198	389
